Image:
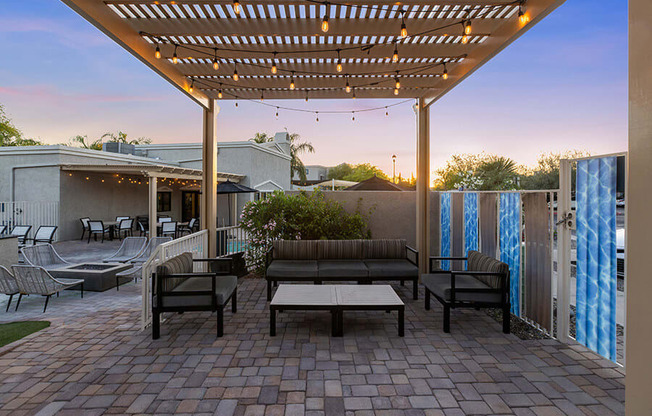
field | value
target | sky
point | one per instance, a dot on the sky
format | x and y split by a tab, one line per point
561	86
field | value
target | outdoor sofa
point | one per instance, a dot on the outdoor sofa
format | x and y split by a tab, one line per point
484	284
362	261
178	288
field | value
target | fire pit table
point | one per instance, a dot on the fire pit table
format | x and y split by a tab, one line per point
98	277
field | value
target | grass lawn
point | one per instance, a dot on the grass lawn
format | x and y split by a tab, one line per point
16	330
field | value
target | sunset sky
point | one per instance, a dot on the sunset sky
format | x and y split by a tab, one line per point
562	86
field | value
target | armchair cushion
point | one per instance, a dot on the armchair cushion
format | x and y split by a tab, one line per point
396	268
339	249
224	287
295	250
301	269
342	269
383	249
482	263
440	286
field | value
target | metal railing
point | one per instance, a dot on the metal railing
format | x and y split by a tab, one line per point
34	213
233	239
196	243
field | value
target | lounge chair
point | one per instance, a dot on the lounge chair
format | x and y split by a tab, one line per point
149	249
130	248
85	227
34	280
43	255
45	234
134	273
21	231
95	228
8	285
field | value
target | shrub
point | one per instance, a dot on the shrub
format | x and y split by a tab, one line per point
300	216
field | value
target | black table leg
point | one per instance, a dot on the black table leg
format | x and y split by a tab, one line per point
272	322
415	289
269	290
401	322
340	323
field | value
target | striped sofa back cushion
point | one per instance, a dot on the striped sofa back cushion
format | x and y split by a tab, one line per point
339	249
177	264
295	249
482	263
383	249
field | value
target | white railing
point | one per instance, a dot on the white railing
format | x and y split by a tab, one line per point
34	213
196	243
233	239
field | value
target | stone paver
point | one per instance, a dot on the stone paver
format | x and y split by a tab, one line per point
94	359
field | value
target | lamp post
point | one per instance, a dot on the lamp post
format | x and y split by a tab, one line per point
393	168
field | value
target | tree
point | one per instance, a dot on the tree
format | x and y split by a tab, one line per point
545	175
355	173
481	172
297	148
10	135
121	137
81	141
261	138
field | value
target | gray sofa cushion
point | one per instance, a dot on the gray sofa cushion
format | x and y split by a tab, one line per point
295	249
342	269
397	268
482	263
383	249
339	249
440	285
224	287
178	264
297	269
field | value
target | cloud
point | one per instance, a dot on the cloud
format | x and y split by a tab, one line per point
66	33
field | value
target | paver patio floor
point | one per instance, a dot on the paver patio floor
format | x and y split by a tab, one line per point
95	360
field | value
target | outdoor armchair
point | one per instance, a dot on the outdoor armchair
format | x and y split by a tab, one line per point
130	248
21	231
178	288
34	280
169	228
143	228
84	222
484	284
149	249
95	228
118	219
8	285
43	255
45	234
125	227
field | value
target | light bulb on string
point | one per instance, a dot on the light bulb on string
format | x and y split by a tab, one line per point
306	96
523	17
445	73
395	56
277	113
395	91
339	62
175	59
216	65
386	112
236	6
404	31
398	82
236	103
352	115
347	88
353	96
192	85
465	39
292	86
317	116
157	54
262	98
467	27
324	22
274	68
219	93
236	77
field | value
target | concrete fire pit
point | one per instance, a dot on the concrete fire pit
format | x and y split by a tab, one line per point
98	277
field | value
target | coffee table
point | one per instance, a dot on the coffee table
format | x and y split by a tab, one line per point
336	299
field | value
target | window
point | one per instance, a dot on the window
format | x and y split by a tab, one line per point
307	171
164	201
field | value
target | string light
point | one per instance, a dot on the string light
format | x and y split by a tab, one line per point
398	82
386	112
157	54
219	93
216	65
236	103
395	91
395	56
317	116
352	115
236	6
445	74
347	88
523	17
353	96
262	98
277	113
274	69
306	96
465	39
236	77
292	81
175	59
339	62
192	85
324	22
404	31
467	27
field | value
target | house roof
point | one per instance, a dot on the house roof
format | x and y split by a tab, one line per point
159	171
374	184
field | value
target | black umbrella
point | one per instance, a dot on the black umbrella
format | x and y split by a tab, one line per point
229	187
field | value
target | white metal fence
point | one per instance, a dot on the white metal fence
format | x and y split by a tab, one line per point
34	213
196	243
231	240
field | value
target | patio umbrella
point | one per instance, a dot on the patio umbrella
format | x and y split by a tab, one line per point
229	188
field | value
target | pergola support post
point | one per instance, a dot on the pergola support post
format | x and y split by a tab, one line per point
153	215
423	184
209	179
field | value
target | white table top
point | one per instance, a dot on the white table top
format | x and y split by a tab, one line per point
367	295
305	295
333	295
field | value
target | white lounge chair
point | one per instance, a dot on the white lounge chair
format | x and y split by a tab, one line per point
43	255
130	248
8	285
33	280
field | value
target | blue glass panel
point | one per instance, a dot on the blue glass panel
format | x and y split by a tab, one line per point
470	222
596	282
445	221
510	244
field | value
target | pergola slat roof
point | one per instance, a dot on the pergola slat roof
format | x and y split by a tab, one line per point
362	35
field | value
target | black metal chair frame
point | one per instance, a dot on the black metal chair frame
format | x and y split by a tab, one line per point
22	238
454	303
159	295
128	232
45	240
96	232
84	227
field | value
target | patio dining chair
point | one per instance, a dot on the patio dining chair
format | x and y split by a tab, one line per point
21	231
143	228
3	229
34	280
149	249
95	228
43	255
84	223
125	227
165	219
189	228
169	229
118	219
45	234
8	285
130	248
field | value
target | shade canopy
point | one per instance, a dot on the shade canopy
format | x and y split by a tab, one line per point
374	184
279	49
229	187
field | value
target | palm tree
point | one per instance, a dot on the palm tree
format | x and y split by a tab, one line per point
261	138
81	141
121	137
297	148
497	173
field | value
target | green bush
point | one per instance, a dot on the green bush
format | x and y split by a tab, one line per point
300	216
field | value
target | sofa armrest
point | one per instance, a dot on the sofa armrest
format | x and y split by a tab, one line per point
222	260
160	293
408	250
268	256
503	281
433	259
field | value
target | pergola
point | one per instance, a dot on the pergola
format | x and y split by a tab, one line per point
313	49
